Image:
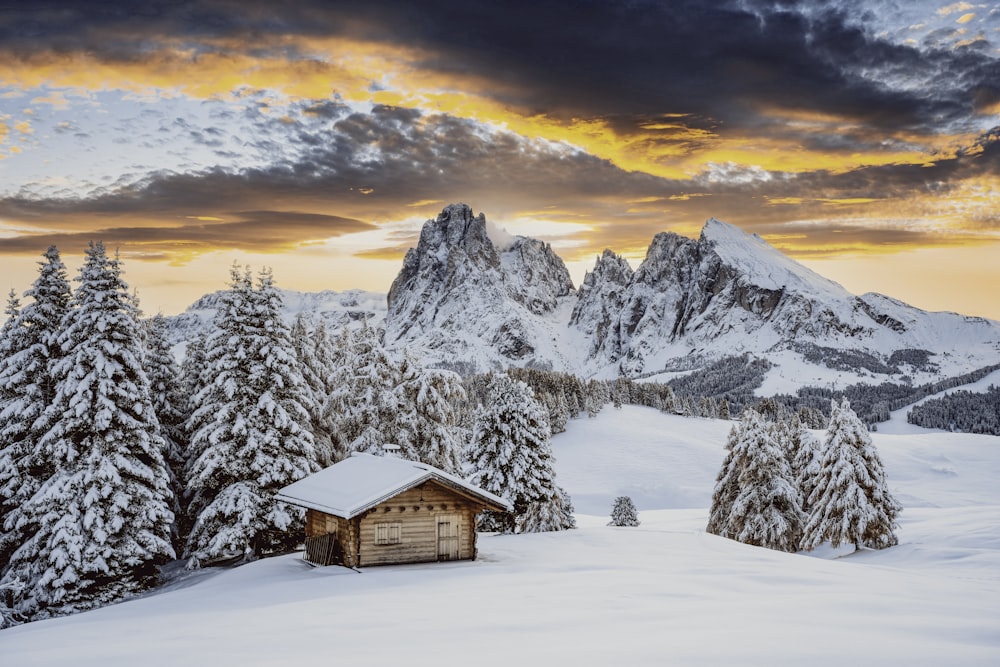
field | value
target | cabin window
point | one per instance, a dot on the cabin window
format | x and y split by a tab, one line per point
389	532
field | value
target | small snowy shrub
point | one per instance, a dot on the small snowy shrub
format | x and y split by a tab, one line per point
624	513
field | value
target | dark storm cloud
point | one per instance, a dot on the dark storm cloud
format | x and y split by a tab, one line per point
374	166
260	231
720	63
366	166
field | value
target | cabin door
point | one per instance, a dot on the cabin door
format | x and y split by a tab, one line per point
447	536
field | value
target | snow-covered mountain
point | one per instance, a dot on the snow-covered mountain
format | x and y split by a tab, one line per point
334	309
732	292
471	297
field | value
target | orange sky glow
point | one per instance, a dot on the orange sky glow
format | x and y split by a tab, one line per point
320	152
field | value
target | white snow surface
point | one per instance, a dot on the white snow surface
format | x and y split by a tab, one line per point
363	480
766	266
663	593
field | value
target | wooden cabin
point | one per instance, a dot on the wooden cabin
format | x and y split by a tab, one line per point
382	510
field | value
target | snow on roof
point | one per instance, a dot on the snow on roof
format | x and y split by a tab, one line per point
362	481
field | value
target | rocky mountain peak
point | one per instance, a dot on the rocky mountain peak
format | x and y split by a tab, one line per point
458	290
456	226
600	301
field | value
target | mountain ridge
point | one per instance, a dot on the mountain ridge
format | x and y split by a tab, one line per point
472	298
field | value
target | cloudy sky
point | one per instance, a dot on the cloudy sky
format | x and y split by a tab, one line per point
860	137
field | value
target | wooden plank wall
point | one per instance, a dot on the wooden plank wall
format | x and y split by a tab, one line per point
418	510
318	523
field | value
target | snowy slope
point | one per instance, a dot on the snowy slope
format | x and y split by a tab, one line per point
663	593
335	309
764	265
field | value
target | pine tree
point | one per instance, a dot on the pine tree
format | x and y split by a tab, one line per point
366	408
337	416
510	455
307	341
851	502
805	462
597	397
767	510
103	516
624	513
552	512
195	376
27	389
253	436
426	398
756	500
363	405
13	338
726	487
171	408
558	409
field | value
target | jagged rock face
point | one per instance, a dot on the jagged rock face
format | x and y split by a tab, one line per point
536	275
460	297
454	258
728	286
600	303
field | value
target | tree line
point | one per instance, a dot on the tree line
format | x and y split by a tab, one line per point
965	411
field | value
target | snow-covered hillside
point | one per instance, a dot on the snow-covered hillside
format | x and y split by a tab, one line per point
334	309
662	593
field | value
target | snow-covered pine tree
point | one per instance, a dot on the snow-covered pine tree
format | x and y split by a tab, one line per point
806	461
851	502
558	409
307	341
597	397
510	455
12	338
726	487
624	513
195	376
170	404
103	517
253	430
619	393
550	513
767	511
363	407
337	415
28	388
399	423
427	397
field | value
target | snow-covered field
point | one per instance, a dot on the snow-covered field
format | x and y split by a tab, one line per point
665	593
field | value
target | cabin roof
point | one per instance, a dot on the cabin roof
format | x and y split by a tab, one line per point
362	481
